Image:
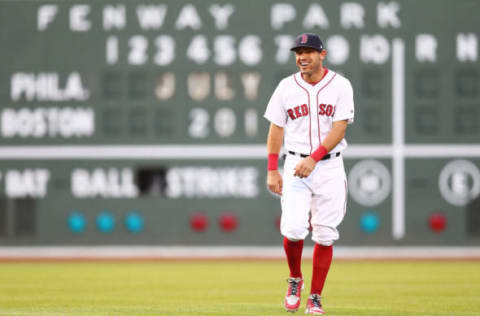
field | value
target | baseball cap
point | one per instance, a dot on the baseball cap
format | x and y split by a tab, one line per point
308	40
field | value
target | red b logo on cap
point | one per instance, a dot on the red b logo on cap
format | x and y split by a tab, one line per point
304	39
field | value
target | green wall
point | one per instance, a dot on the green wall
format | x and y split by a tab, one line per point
158	108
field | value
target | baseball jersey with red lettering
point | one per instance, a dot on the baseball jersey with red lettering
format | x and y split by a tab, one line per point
306	111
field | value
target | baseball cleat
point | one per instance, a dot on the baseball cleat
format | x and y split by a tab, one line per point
294	291
314	305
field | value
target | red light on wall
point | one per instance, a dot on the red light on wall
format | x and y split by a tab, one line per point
228	222
437	222
199	222
278	220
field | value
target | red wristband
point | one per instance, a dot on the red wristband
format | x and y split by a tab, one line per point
272	162
318	154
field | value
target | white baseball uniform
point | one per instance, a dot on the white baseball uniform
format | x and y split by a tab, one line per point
306	112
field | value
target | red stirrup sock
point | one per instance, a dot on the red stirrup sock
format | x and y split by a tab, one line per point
294	249
322	258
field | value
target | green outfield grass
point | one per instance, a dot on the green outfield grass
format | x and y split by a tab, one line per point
235	288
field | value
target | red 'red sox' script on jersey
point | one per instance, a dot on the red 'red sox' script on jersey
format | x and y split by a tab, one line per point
298	111
302	111
326	109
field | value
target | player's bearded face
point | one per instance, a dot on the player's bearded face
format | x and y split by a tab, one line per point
308	60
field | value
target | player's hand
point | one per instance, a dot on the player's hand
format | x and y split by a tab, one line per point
305	167
274	182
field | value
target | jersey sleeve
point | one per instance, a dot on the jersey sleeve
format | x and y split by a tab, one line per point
275	111
345	108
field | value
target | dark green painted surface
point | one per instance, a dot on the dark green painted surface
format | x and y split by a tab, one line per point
441	106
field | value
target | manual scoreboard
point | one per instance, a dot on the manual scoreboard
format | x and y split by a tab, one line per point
139	122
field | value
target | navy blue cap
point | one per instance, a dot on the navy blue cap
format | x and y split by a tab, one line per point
308	40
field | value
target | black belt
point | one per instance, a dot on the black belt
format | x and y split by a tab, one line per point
327	156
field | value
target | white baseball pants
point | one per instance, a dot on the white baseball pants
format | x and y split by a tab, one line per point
323	193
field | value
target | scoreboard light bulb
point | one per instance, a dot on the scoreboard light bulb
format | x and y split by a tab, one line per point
134	222
105	222
369	222
278	221
76	222
228	222
437	222
199	222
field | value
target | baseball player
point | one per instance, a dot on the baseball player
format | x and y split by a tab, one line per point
309	112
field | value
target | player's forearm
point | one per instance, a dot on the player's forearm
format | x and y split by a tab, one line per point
275	139
337	133
335	136
274	144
